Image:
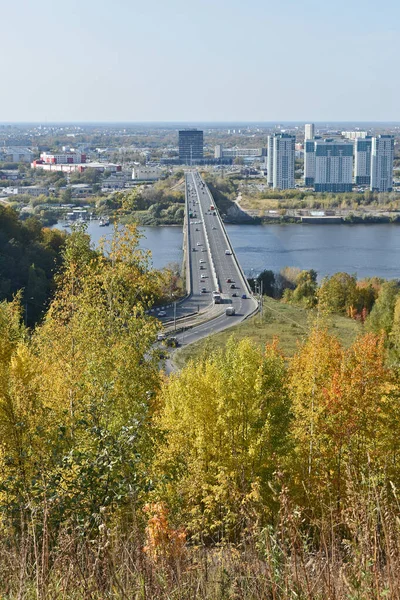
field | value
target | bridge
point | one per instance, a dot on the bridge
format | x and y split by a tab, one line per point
211	266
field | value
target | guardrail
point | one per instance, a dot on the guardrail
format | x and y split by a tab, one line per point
229	246
187	244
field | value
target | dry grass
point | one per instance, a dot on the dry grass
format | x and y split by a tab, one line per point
352	553
290	324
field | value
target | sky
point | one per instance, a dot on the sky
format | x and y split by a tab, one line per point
200	60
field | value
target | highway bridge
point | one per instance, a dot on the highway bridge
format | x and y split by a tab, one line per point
211	266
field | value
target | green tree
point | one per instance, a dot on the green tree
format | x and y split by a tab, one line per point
338	292
382	314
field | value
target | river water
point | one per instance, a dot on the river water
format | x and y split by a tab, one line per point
365	250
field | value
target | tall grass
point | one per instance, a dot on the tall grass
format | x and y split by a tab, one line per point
349	552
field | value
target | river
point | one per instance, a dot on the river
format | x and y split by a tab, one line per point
365	250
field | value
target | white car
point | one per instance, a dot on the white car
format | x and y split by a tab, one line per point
201	261
228	252
162	313
199	244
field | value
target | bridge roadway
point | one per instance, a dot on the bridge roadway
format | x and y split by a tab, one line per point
208	267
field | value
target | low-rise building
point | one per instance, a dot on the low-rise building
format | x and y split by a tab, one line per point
79	167
16	154
221	152
81	189
29	190
146	173
65	158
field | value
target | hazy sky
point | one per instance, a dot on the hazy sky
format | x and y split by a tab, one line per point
204	60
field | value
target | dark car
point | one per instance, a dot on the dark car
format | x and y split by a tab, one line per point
232	286
234	295
244	296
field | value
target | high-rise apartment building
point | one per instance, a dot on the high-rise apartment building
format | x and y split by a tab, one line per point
281	156
382	154
309	162
309	131
190	146
330	164
270	160
362	162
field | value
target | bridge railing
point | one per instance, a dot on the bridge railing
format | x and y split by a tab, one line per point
187	243
229	246
211	259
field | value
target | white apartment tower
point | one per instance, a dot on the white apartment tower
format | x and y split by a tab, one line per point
382	154
309	131
362	162
281	155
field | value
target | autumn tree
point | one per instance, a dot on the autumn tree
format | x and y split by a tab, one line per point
224	424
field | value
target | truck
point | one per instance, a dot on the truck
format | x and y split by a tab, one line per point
230	311
216	297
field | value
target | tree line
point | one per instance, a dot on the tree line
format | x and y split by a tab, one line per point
247	474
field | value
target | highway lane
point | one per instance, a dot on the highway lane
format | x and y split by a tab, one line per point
207	241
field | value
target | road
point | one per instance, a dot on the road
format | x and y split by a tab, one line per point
212	266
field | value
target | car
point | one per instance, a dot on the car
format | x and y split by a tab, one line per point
160	337
202	267
244	296
199	244
201	261
204	250
228	252
162	313
197	229
193	249
229	280
232	286
203	276
203	290
234	295
214	228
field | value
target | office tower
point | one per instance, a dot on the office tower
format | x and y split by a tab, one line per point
281	155
309	131
333	165
362	163
190	146
382	154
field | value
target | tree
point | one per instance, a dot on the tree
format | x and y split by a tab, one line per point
75	404
66	196
343	402
224	424
306	288
338	292
382	314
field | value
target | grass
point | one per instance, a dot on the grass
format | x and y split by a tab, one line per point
289	323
